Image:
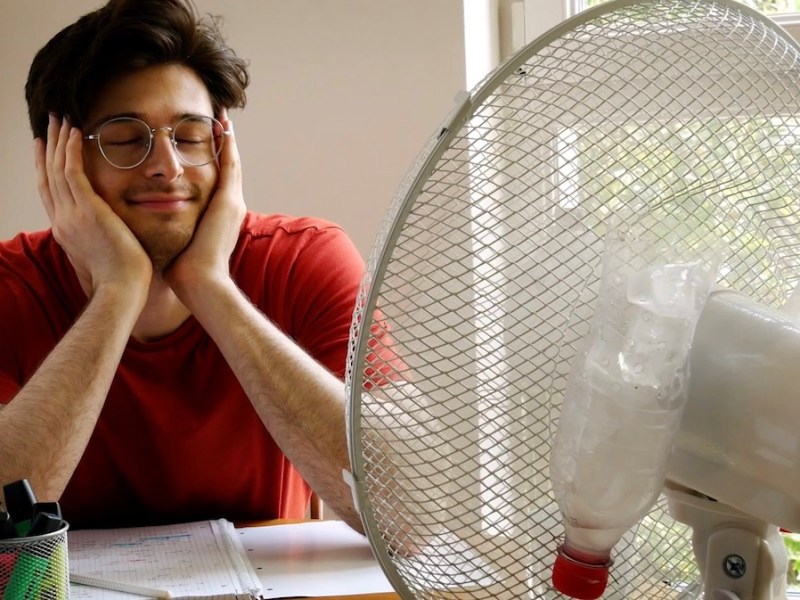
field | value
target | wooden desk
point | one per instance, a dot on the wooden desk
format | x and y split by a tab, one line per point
388	596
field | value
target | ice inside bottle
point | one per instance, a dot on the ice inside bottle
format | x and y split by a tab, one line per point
624	397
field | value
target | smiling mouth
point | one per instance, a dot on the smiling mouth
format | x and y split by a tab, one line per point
161	203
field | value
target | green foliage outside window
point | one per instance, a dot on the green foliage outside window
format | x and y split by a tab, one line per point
774	7
792	541
643	163
660	158
735	169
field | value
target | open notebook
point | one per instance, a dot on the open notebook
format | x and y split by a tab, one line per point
202	560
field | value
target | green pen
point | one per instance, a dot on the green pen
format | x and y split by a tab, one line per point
41	569
26	579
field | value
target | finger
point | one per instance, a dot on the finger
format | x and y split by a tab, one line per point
229	161
53	127
80	188
62	197
61	160
52	162
42	184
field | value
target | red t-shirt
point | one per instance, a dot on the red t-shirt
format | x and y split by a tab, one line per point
177	439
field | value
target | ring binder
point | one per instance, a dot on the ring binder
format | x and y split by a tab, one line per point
198	560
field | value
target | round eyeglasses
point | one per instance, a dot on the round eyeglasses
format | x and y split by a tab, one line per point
125	142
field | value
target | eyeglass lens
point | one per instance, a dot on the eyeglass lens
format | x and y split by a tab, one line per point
125	142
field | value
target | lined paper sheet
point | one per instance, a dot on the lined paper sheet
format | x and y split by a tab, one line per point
317	558
191	560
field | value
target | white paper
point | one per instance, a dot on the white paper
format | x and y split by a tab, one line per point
317	558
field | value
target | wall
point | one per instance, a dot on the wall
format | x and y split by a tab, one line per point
344	94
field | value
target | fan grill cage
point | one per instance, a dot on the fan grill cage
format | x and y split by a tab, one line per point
681	117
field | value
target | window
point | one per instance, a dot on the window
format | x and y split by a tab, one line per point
522	21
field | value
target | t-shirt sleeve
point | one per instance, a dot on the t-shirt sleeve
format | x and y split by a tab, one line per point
325	281
330	278
306	276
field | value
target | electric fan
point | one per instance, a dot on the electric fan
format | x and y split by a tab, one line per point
639	150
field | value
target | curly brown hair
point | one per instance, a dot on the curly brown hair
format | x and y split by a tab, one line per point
123	36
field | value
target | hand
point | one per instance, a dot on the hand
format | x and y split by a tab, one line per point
99	245
207	256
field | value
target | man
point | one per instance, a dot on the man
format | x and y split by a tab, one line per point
164	354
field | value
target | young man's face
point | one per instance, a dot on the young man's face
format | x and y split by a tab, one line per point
162	199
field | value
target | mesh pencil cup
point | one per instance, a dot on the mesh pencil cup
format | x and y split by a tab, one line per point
35	568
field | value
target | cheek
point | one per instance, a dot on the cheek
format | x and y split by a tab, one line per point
104	179
210	173
110	189
205	180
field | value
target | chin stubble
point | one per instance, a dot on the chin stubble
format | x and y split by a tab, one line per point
165	244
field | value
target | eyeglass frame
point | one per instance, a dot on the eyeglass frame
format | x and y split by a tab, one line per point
152	131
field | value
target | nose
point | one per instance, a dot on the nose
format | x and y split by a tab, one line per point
163	160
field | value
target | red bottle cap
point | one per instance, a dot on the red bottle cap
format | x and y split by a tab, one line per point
578	579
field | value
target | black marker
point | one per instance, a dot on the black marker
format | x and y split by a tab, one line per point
52	508
7	529
20	501
44	523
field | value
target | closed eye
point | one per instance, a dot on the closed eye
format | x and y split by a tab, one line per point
134	141
187	141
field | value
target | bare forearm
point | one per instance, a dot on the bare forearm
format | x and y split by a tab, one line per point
46	426
300	402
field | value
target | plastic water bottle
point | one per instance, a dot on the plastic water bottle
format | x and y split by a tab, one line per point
623	401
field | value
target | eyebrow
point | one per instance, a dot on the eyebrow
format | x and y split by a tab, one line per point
137	115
